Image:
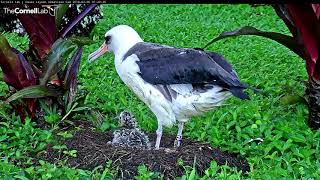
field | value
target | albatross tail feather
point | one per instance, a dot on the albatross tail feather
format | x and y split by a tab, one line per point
252	88
239	93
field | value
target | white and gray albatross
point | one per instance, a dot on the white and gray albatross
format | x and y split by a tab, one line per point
175	83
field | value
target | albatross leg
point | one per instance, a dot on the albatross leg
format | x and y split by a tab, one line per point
177	142
159	135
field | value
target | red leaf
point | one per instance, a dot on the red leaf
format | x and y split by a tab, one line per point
307	24
310	65
31	104
41	29
16	70
303	22
316	9
27	77
20	110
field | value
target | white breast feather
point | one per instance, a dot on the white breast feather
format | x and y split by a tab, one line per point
152	97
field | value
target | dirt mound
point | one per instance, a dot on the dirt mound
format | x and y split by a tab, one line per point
93	150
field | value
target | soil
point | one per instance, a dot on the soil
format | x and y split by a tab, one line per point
93	150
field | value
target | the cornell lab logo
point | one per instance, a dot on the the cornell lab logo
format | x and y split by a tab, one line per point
45	9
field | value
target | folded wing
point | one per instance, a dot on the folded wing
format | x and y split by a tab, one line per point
166	65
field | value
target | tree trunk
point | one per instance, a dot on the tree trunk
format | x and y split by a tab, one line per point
313	94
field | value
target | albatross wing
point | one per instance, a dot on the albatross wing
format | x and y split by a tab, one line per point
165	65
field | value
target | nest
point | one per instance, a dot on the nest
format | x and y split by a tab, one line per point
93	150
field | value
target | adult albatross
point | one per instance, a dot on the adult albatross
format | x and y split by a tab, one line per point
175	83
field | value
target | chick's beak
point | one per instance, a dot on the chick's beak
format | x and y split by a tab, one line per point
99	52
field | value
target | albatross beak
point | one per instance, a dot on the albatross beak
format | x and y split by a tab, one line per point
99	52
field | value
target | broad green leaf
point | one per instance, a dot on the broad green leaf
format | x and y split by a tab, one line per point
81	109
60	11
291	99
37	91
285	40
60	51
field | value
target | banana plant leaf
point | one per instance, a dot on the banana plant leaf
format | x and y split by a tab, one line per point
73	23
282	12
306	21
41	29
304	24
61	49
17	72
70	76
29	74
285	40
36	91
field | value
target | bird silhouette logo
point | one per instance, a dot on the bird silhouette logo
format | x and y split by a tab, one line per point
52	9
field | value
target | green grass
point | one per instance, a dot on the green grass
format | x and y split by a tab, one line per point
289	150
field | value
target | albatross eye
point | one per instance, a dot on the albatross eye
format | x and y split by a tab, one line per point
108	39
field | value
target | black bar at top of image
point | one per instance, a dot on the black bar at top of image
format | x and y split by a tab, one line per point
159	1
